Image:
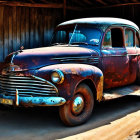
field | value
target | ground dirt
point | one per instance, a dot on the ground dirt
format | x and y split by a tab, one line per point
134	136
113	119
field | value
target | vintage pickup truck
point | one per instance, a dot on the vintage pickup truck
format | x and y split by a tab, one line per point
87	58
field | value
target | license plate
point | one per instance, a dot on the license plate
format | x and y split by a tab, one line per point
6	101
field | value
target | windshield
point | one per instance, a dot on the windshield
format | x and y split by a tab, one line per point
77	34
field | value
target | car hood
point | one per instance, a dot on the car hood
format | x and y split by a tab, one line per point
40	57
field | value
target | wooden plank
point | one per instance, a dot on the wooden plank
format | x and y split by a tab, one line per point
46	30
41	28
88	2
23	27
111	6
6	31
47	5
1	35
37	24
10	30
64	9
14	29
15	3
31	33
18	27
27	28
101	2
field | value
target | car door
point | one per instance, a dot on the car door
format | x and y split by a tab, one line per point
114	58
137	44
131	54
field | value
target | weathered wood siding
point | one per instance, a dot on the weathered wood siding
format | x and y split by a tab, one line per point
130	12
28	27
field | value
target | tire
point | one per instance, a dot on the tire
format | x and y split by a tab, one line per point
72	113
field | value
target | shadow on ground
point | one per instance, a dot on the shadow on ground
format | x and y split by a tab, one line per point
42	123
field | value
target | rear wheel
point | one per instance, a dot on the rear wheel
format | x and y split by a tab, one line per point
79	108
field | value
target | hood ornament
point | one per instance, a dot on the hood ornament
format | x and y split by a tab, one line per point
11	67
15	53
21	48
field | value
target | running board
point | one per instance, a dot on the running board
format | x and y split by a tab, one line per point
121	91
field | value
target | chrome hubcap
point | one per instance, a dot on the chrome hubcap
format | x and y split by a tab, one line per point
77	105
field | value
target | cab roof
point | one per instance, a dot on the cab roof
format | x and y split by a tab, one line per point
101	21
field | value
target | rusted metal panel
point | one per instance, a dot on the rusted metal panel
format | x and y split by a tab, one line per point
105	68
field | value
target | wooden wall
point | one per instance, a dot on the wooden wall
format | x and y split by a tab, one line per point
33	27
28	27
130	12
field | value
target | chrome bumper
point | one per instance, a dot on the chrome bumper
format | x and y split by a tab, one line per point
35	101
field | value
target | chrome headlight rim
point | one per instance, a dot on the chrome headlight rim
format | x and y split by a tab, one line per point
61	76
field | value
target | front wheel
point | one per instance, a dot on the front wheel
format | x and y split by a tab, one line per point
79	108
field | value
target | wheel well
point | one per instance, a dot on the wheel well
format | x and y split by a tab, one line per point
91	86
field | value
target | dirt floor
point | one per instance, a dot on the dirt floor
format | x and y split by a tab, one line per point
114	119
134	136
120	129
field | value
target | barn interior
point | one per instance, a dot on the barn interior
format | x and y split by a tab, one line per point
30	23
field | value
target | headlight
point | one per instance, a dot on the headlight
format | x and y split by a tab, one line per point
57	76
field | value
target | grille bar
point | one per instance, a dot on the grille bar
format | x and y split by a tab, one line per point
25	86
30	86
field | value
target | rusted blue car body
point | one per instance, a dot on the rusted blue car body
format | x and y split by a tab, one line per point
86	57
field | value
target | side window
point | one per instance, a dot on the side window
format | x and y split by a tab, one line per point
113	38
107	40
129	38
117	37
137	40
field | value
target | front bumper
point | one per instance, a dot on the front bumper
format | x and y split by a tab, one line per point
31	101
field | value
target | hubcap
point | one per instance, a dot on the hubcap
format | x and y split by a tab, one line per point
77	105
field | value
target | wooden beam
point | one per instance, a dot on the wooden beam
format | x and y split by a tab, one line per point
135	0
44	1
31	1
88	2
101	2
110	6
64	9
48	5
79	3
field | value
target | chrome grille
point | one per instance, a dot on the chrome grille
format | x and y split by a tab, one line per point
27	86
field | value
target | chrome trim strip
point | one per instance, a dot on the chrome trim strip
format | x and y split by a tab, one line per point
70	57
113	55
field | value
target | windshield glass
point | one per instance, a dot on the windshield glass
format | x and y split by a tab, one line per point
77	34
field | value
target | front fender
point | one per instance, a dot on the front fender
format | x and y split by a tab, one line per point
73	75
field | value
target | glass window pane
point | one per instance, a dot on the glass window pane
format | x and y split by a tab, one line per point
137	40
129	38
107	39
77	37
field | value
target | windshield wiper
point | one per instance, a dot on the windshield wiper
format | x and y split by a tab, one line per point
84	43
58	44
